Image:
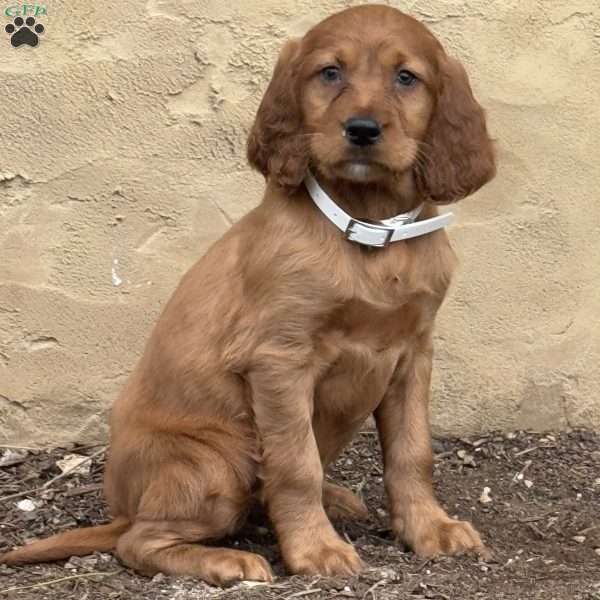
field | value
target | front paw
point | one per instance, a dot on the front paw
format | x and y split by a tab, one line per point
431	536
317	556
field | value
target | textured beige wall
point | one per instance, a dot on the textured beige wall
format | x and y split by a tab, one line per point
122	158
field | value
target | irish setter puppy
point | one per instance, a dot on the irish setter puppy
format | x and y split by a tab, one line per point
287	335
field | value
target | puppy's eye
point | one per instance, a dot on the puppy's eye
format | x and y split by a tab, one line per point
406	78
331	74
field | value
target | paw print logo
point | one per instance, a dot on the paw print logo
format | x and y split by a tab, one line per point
24	32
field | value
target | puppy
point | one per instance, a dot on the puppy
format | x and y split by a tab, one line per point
289	333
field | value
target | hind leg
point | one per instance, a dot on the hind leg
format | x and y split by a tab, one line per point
194	494
151	547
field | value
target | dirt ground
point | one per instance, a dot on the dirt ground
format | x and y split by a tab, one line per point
540	515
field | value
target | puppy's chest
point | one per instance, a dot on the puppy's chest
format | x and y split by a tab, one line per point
360	353
374	329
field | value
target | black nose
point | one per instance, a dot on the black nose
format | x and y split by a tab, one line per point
362	132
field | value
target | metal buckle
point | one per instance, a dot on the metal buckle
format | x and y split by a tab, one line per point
353	225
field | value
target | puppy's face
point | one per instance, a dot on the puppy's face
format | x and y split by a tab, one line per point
369	95
368	92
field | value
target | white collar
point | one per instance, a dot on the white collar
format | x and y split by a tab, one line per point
378	234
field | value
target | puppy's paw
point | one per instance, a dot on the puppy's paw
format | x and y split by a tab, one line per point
449	537
430	532
319	557
225	567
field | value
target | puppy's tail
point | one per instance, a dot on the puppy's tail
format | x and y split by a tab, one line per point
77	542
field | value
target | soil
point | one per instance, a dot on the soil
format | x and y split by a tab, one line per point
542	520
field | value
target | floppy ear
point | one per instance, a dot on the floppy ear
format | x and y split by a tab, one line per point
276	147
459	153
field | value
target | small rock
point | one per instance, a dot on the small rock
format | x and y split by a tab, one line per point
461	454
159	578
10	456
469	460
79	562
75	464
26	505
479	442
597	551
485	497
528	483
511	435
377	574
73	563
579	539
105	558
597	481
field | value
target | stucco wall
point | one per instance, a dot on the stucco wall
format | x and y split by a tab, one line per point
122	159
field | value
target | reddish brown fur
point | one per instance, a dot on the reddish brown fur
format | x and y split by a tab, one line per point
284	337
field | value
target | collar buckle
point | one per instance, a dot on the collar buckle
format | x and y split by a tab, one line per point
369	234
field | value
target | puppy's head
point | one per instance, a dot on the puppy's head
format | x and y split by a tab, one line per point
369	95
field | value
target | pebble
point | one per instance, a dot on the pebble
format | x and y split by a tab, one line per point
579	539
78	562
469	460
485	497
105	558
26	505
597	551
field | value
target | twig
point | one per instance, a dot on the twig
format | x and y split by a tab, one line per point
26	493
588	529
86	489
53	581
519	475
534	519
426	562
527	451
74	467
372	589
241	586
305	593
536	531
13	462
87	447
